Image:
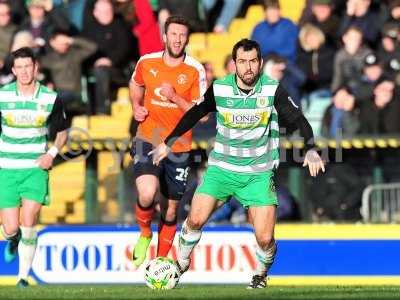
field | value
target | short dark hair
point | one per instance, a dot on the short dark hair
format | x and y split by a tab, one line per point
24	52
247	45
176	19
271	3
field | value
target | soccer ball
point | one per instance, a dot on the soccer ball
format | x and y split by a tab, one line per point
161	274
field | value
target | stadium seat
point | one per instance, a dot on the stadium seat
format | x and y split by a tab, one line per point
255	12
292	9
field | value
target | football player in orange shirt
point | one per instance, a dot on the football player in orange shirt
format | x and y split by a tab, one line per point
163	87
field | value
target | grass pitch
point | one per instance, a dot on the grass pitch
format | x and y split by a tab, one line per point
77	292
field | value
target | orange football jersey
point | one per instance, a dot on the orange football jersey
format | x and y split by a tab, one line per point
189	82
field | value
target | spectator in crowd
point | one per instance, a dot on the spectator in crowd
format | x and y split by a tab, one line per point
187	8
18	10
321	15
394	12
375	95
315	59
229	65
115	46
389	51
276	34
359	14
146	28
229	11
349	59
20	40
343	117
64	62
7	30
289	75
42	20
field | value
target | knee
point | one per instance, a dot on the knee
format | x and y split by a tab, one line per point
170	214
9	230
265	241
29	234
195	222
146	198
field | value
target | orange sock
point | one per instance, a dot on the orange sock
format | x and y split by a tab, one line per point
166	234
143	218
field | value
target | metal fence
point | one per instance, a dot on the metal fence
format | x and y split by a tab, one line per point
381	203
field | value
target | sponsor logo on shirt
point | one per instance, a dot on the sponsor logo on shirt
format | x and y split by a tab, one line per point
245	120
153	72
182	79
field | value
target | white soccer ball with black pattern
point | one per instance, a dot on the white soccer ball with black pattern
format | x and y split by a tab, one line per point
161	273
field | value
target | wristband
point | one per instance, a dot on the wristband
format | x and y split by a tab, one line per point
53	151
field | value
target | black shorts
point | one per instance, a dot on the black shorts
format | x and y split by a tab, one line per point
172	171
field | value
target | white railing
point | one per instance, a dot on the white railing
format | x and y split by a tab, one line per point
381	203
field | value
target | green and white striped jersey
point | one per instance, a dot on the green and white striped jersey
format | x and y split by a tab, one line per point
247	138
24	126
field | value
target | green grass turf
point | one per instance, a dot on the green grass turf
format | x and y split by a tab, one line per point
76	292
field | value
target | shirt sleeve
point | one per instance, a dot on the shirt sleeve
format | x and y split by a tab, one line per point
199	85
290	117
137	75
192	116
57	119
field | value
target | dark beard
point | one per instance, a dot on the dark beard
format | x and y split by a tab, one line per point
249	82
172	54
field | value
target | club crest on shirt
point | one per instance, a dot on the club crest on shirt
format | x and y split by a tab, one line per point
262	101
41	107
182	79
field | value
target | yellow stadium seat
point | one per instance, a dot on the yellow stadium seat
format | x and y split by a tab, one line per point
197	43
292	9
255	13
123	95
219	41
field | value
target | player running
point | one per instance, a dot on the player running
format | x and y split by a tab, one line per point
162	89
27	109
245	154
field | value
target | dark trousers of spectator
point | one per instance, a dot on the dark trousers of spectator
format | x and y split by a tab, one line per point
102	102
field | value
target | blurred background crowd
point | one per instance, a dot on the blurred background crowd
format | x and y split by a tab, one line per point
339	60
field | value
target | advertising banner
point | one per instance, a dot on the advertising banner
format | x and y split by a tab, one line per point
102	254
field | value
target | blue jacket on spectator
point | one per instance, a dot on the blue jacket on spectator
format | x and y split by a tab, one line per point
279	38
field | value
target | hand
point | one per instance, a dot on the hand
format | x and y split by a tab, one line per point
103	62
140	113
168	91
159	153
45	161
64	39
314	162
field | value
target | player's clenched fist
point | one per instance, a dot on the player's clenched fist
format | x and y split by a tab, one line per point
168	91
140	113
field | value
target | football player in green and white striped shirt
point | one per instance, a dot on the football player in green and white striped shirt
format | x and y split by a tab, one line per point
245	154
27	110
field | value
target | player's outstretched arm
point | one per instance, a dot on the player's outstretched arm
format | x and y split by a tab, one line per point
290	116
189	119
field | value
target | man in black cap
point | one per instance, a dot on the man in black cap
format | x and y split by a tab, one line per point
389	51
